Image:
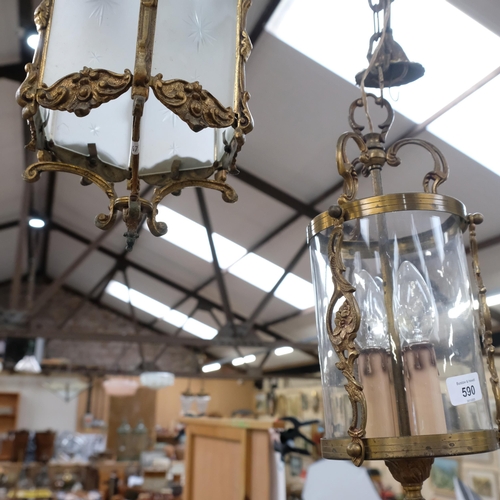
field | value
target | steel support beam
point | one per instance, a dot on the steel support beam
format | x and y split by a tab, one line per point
265	301
22	241
79	335
8	225
218	273
160	278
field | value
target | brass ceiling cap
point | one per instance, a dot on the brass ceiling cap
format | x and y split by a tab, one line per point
396	68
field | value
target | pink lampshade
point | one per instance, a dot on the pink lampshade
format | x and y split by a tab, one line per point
117	386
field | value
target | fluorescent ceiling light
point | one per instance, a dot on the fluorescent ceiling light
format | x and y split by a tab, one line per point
493	300
250	267
313	27
32	41
36	223
199	329
228	252
481	128
281	351
257	271
250	358
185	233
211	368
161	311
296	291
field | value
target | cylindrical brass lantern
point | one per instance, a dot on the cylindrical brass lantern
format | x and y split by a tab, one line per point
396	319
139	90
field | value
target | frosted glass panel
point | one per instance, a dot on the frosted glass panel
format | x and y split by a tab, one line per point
92	33
109	127
165	138
195	40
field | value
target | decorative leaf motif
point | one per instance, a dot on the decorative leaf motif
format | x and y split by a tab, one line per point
81	92
436	176
342	336
190	102
42	13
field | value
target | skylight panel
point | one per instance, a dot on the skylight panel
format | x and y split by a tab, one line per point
199	329
448	43
249	267
257	271
228	252
185	233
138	299
471	125
155	308
296	291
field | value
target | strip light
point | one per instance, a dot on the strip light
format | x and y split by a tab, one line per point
213	367
160	310
248	266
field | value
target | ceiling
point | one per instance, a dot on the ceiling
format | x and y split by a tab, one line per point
288	175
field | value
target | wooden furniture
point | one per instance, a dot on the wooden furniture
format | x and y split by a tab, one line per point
141	406
9	402
228	459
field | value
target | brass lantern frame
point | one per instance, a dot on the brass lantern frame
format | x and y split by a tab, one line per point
89	88
409	457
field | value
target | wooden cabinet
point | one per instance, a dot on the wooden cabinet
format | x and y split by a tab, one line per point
9	402
228	459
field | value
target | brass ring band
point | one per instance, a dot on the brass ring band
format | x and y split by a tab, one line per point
437	445
398	202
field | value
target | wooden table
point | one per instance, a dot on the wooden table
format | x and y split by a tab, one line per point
228	459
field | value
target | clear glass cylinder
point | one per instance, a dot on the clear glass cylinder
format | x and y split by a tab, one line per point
413	263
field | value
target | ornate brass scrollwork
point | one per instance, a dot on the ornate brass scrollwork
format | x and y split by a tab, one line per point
384	127
229	195
484	313
347	321
81	92
245	120
192	104
436	176
346	168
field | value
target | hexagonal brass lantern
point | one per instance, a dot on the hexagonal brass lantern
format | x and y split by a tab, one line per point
88	102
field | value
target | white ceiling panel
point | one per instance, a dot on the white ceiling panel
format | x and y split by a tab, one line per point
170	261
63	251
10	41
12	147
8	252
293	146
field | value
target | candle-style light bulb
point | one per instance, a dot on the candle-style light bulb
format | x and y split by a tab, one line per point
415	310
374	359
373	328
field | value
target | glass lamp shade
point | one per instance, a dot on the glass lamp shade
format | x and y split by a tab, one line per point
66	388
139	90
28	364
202	401
196	43
120	387
157	380
435	323
186	402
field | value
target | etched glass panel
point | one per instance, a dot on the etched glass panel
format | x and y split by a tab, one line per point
195	40
92	33
168	138
109	127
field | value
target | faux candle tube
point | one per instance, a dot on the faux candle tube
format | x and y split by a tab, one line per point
374	372
423	391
